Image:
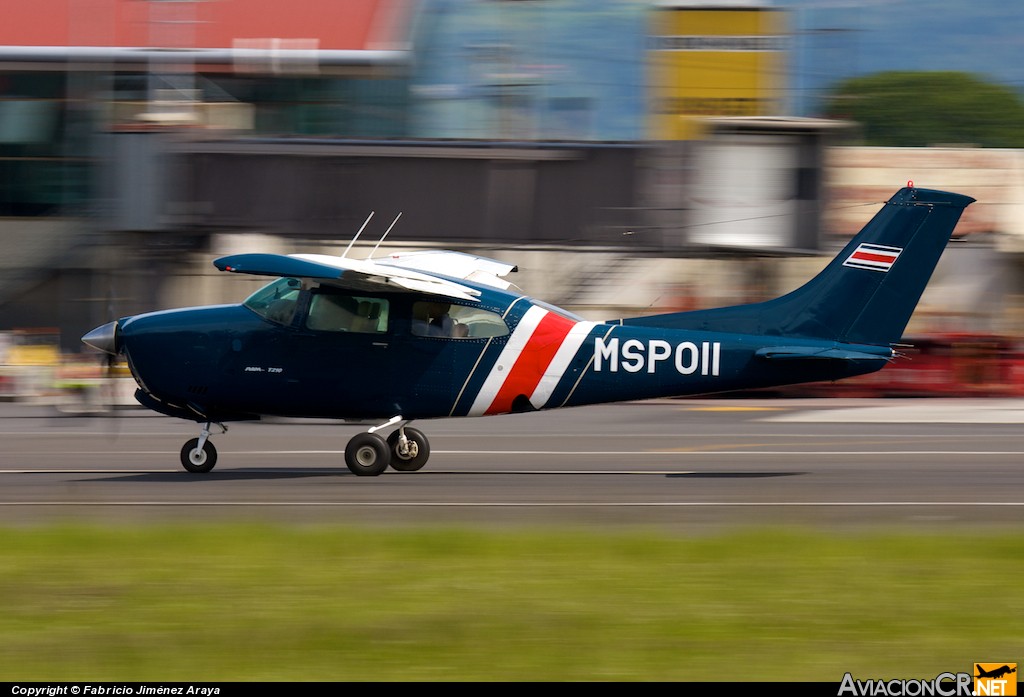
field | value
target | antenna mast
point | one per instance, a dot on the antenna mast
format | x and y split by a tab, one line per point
374	250
345	253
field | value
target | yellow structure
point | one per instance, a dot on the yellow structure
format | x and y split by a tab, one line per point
713	59
34	347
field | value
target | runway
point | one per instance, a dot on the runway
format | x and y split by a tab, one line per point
680	466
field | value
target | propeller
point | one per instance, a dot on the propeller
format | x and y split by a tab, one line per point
105	341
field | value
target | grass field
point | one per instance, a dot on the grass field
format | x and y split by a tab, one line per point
249	602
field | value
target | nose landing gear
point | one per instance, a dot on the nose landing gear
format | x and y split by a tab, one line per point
199	454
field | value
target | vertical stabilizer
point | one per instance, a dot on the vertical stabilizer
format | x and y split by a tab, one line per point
867	294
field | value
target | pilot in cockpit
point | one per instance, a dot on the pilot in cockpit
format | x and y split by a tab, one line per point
432	319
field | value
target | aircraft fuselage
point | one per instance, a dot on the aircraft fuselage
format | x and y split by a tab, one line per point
228	362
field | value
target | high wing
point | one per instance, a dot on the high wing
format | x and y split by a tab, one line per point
458	265
435	273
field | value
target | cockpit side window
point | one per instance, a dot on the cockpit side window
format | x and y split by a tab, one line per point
276	301
447	320
338	312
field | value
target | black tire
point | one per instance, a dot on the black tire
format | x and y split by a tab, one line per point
367	455
198	461
419	451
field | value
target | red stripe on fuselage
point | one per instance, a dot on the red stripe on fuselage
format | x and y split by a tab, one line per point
532	362
867	256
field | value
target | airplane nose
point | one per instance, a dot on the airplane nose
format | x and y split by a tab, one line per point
105	338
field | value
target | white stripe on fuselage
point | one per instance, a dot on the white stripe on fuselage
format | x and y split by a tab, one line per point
506	359
560	363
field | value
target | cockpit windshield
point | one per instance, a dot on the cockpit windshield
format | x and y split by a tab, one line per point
276	301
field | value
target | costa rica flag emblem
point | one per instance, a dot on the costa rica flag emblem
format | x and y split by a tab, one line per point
873	257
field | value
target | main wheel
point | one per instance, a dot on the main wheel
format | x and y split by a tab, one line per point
416	453
367	455
196	459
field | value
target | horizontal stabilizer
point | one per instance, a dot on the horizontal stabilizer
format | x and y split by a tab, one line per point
787	353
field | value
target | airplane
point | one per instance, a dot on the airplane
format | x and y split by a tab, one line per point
439	334
995	673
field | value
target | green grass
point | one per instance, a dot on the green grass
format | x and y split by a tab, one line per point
237	602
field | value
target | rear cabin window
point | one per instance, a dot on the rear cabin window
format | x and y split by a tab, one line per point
334	312
446	320
276	301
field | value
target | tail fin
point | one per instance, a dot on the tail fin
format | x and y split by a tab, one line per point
867	294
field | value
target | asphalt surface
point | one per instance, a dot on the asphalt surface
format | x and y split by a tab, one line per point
682	466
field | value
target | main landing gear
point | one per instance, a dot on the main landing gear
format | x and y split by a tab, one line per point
369	454
366	455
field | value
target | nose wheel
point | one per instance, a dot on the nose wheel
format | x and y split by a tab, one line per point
198	458
199	454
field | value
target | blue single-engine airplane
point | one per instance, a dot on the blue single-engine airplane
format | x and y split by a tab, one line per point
441	334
